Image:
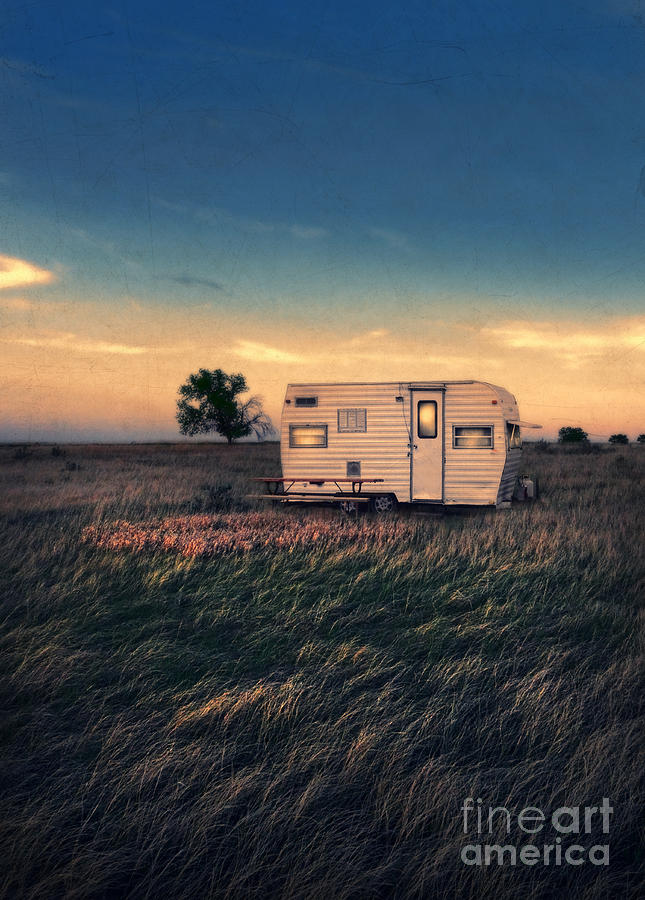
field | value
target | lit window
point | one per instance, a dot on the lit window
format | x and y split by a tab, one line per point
427	418
513	436
352	420
306	401
472	437
307	435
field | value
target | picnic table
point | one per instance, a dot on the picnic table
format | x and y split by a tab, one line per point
280	488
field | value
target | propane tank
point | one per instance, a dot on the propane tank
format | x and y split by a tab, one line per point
525	489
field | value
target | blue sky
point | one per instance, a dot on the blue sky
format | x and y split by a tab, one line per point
446	190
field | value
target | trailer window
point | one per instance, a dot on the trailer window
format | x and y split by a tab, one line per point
472	437
306	401
427	418
307	435
352	420
513	437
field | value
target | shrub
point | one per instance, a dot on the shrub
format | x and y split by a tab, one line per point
22	453
572	435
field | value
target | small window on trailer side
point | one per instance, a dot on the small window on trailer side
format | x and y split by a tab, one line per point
513	437
352	420
472	437
307	435
306	401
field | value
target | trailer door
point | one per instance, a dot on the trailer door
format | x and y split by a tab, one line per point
426	456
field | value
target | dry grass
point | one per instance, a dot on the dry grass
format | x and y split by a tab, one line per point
214	534
217	700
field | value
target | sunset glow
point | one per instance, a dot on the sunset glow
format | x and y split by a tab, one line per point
320	195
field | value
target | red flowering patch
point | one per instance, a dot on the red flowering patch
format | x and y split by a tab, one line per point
209	535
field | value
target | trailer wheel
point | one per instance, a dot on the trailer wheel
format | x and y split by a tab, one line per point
383	503
349	507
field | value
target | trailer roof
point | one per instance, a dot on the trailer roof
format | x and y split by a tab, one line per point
408	382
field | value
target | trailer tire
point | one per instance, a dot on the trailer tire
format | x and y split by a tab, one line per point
383	503
349	507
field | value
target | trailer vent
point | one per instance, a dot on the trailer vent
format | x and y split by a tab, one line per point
353	469
306	401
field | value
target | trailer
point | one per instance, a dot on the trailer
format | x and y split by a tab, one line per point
441	443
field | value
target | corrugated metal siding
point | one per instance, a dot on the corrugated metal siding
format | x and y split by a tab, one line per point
509	475
473	476
470	476
382	449
513	457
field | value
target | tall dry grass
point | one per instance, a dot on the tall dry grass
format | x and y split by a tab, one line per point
304	717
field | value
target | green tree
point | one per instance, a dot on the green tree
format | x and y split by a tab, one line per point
210	401
619	439
640	439
572	435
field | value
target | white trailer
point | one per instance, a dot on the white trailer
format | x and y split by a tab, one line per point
430	442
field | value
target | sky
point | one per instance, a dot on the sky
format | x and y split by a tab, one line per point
319	192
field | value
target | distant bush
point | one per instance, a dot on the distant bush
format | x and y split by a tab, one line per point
543	446
640	439
572	435
57	451
22	453
619	439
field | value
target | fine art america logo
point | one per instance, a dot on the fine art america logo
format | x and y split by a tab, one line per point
560	831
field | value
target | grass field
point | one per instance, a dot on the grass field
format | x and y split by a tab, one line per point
204	699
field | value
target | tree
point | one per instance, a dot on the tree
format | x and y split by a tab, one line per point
640	439
209	401
619	439
572	435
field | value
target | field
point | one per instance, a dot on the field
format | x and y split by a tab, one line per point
201	698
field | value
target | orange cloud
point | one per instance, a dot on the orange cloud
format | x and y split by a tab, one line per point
20	304
569	338
264	353
16	272
72	343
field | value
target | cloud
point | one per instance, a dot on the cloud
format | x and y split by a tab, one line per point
307	233
569	340
367	336
16	272
393	239
24	68
357	351
16	303
263	353
71	342
223	216
192	281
